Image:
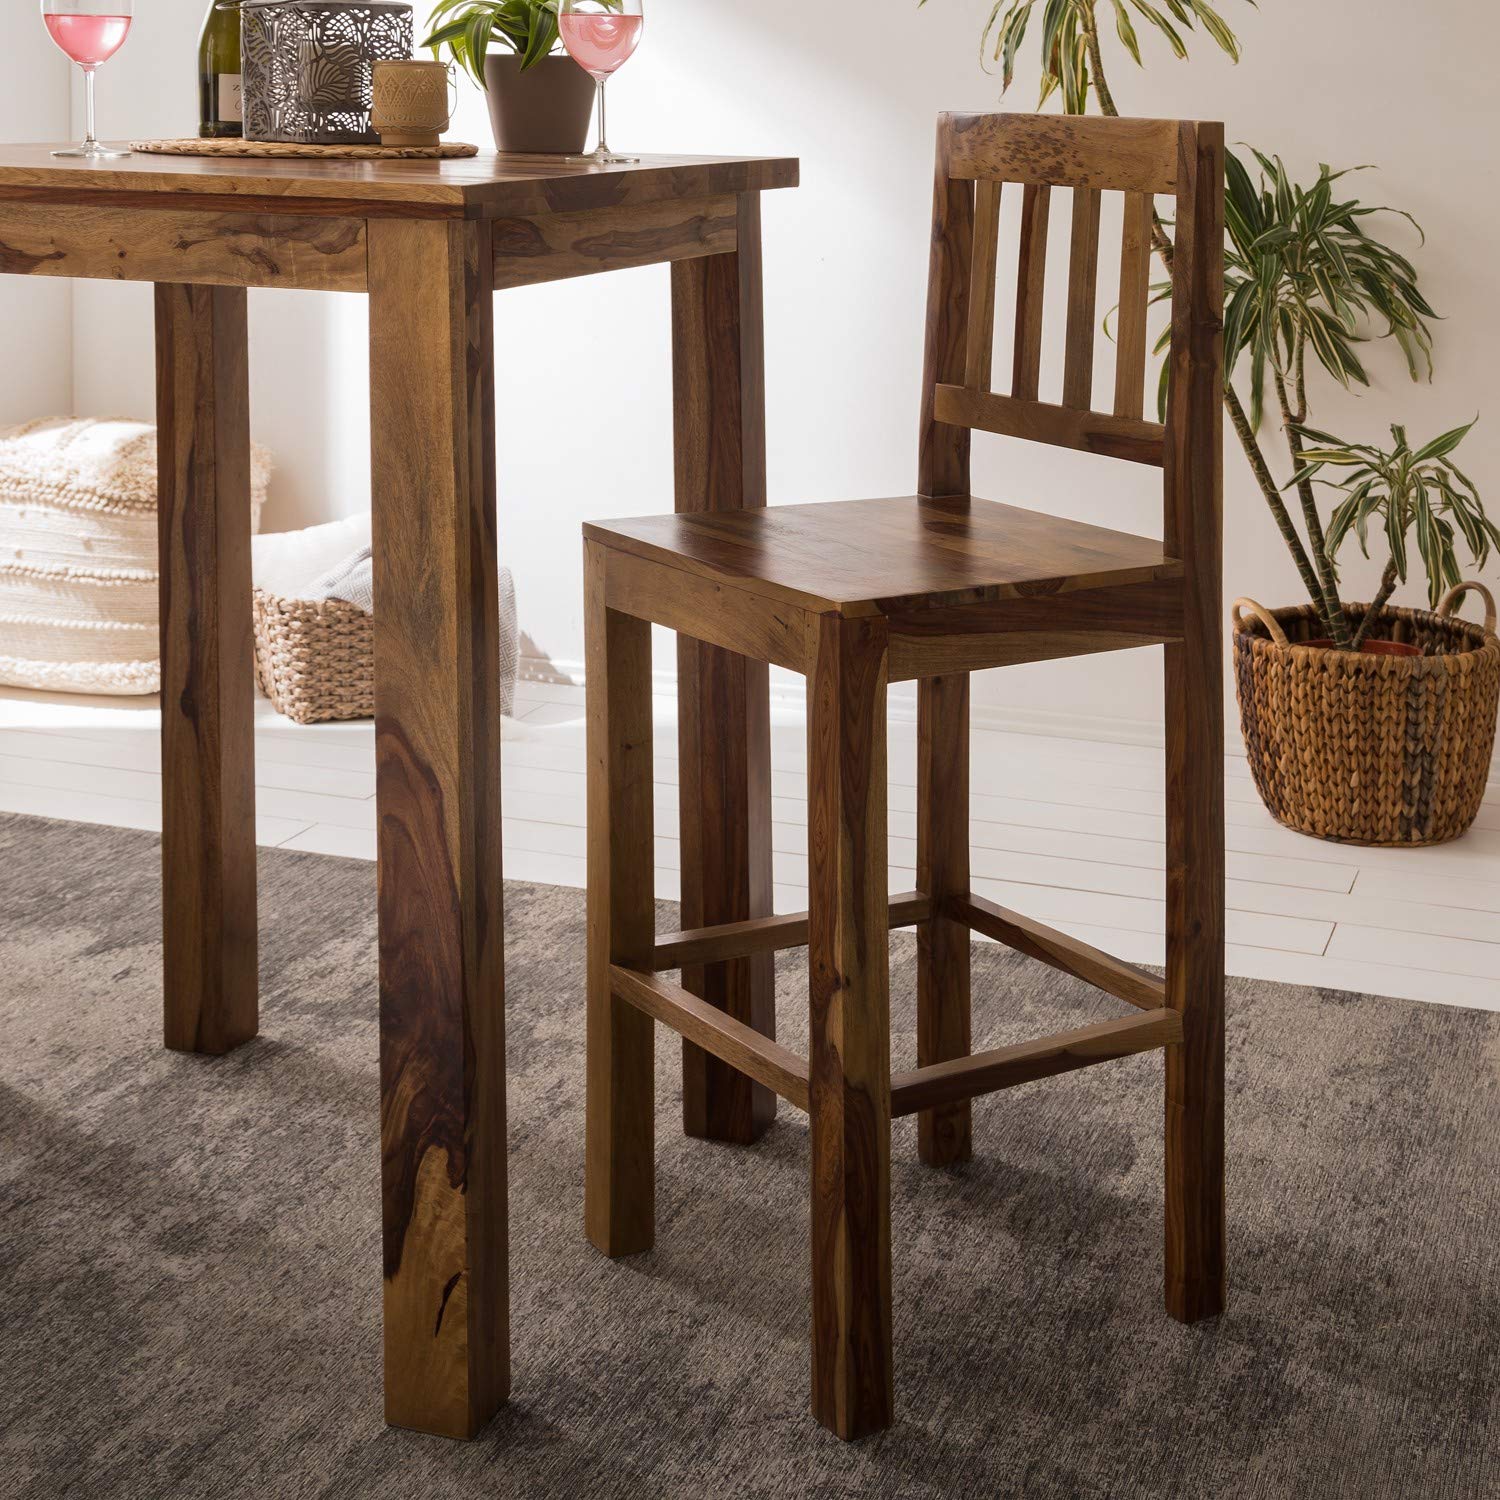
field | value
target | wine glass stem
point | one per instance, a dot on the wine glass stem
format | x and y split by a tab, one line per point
88	105
603	132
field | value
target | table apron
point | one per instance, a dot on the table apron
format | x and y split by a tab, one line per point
552	247
172	245
308	253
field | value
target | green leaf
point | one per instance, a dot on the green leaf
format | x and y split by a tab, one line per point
1163	25
1126	31
1440	447
1214	25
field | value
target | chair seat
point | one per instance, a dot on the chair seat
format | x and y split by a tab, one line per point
862	557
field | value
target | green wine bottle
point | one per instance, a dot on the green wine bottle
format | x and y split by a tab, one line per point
219	110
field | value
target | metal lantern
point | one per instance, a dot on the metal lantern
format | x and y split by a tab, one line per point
307	66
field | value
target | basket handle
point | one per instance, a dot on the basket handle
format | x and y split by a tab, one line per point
1458	591
1265	617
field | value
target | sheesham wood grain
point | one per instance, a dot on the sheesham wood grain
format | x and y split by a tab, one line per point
724	716
207	661
943	449
620	1167
1129	155
944	1133
979	354
1114	976
123	244
766	934
1006	1067
1135	291
849	1075
1083	288
738	1046
1194	487
1031	291
553	247
1042	627
437	748
1064	426
704	611
893	556
484	186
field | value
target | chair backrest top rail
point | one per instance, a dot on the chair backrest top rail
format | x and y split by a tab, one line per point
1117	155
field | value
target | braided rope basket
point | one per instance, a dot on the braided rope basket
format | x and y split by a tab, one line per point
1385	750
315	658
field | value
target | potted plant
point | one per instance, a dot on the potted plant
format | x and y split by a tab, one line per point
1387	740
1337	750
540	100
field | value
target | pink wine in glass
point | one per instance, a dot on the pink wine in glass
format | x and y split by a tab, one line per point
600	43
90	32
600	36
88	40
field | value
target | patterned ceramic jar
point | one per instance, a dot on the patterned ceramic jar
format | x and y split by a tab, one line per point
412	101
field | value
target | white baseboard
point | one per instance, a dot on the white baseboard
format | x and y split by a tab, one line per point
787	691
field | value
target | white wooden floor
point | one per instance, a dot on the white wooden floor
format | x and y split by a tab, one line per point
1066	830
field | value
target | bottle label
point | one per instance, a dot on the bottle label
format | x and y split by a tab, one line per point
231	110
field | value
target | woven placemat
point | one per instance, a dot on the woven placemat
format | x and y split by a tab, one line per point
192	146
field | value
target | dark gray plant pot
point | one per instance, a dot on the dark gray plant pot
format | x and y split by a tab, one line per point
545	109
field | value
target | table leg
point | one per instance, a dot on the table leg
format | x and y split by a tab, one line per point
207	668
437	742
724	705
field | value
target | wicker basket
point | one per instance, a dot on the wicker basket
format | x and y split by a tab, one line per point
1391	751
315	658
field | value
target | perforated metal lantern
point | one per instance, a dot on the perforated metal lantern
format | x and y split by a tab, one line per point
307	64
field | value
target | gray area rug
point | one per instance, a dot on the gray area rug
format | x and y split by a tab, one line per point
189	1249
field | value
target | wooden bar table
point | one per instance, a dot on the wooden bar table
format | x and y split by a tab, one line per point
428	242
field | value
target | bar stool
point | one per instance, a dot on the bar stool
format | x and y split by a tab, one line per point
932	587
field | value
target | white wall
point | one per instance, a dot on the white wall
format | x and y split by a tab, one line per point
584	381
35	311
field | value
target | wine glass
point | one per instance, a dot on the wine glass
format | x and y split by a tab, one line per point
600	36
90	32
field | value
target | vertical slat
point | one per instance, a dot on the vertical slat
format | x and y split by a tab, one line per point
979	355
1135	291
849	1061
1083	288
1195	740
437	763
619	1195
207	661
944	1134
943	450
1031	285
724	720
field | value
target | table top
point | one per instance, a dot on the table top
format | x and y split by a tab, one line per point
485	186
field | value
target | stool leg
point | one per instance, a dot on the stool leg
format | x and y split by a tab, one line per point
620	1171
850	1058
944	1136
1195	980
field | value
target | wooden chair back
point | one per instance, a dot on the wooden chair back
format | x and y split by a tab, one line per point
977	157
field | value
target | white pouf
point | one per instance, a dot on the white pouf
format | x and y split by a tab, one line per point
78	554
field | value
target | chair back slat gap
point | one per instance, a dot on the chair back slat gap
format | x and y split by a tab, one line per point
1083	285
980	350
1031	282
1135	291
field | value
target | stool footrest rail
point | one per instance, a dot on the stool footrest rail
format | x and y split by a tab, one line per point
741	1046
1005	1067
1112	975
707	945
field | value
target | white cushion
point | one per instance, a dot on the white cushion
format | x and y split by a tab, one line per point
78	554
